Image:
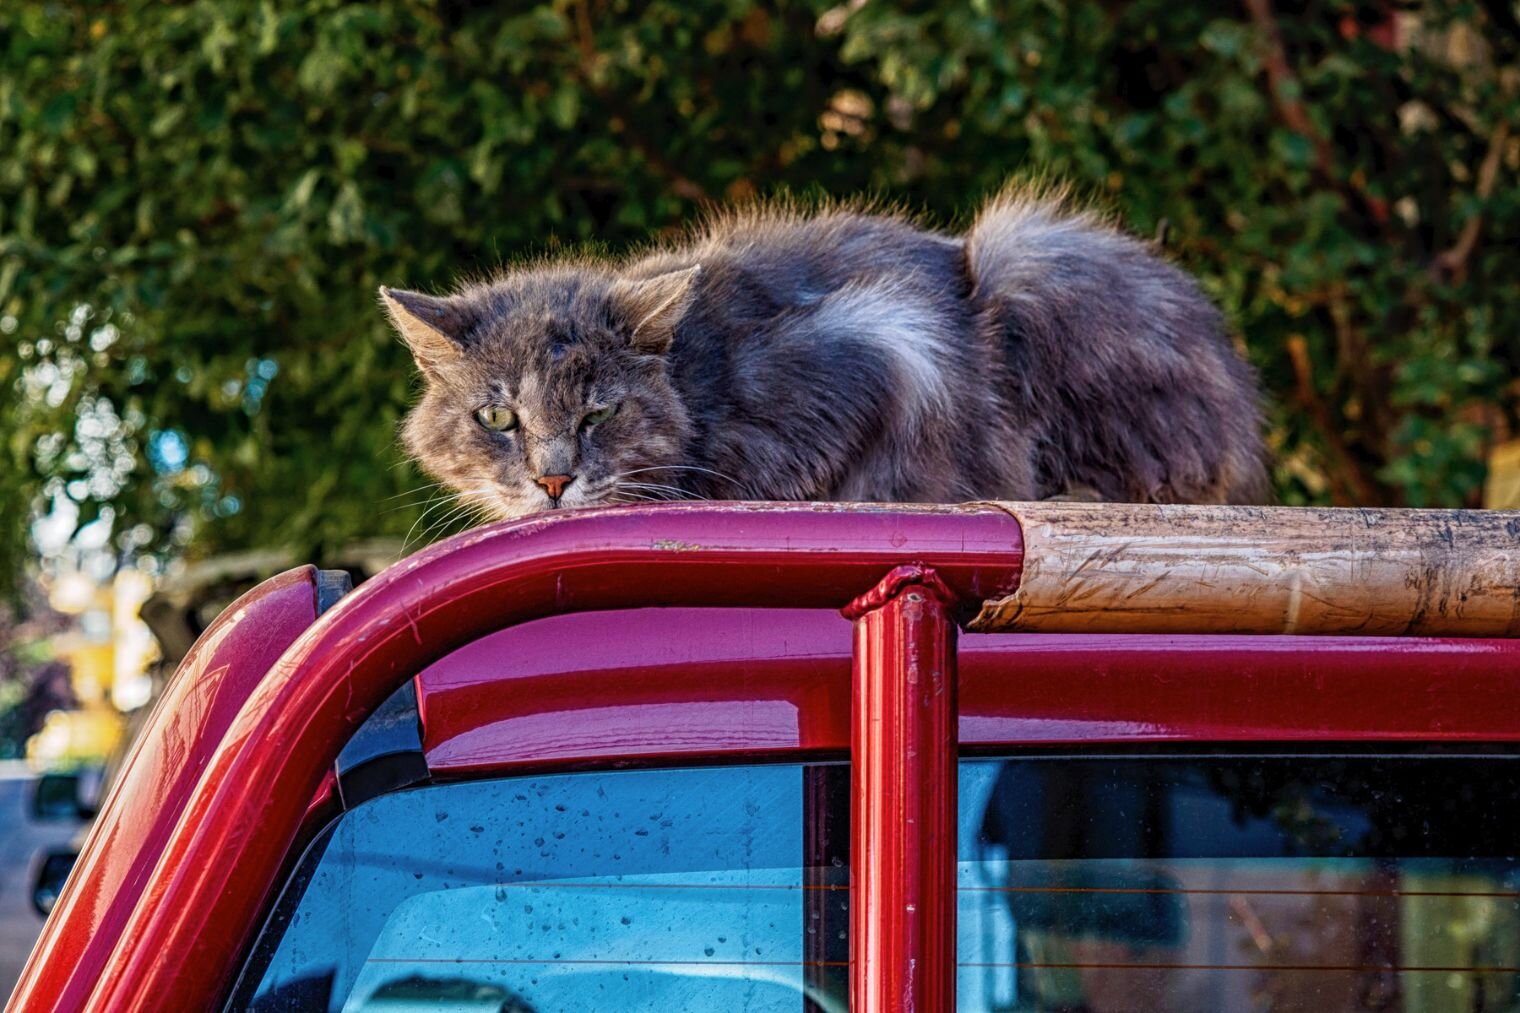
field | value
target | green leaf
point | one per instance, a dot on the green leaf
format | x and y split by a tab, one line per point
345	220
564	105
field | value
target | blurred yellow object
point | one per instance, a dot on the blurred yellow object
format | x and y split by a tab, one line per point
69	738
1502	489
110	650
92	666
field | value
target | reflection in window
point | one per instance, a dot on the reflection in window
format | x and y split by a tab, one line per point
1239	883
719	889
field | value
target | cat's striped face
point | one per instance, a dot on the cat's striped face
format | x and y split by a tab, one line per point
581	429
542	396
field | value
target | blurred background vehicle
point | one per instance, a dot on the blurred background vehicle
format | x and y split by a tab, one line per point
25	843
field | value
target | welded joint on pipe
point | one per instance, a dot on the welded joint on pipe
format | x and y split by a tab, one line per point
897	581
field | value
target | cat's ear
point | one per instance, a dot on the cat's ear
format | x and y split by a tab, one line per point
653	306
432	326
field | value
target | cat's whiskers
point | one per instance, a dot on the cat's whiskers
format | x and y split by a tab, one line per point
427	506
443	499
406	543
463	502
684	467
671	491
619	479
427	487
439	527
635	497
651	485
415	498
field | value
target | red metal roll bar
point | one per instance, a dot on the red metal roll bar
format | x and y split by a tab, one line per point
902	799
223	668
247	808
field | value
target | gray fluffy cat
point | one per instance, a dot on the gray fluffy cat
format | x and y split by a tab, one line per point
838	355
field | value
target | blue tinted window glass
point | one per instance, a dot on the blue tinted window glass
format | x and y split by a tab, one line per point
1211	883
633	890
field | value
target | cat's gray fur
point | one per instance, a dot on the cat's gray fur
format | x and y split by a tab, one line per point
840	355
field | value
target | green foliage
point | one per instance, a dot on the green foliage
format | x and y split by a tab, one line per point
198	200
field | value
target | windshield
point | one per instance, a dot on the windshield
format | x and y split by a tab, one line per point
1086	884
665	890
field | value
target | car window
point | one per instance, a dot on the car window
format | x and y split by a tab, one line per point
719	889
1207	883
1163	883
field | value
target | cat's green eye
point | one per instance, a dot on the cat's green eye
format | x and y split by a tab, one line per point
499	419
599	416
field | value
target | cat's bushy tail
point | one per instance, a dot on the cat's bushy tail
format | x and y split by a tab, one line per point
1119	363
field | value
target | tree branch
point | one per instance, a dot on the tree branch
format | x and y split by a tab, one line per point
1284	83
1451	263
1285	89
1348	483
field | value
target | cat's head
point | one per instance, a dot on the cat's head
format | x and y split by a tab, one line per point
547	388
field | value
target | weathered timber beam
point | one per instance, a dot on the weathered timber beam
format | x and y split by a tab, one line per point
1149	568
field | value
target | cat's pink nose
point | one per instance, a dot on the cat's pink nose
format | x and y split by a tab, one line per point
554	485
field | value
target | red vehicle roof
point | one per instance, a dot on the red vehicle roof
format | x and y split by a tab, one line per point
531	645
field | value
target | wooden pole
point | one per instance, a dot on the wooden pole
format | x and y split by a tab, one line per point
1156	568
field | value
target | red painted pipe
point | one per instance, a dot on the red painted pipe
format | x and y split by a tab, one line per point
156	780
194	918
903	761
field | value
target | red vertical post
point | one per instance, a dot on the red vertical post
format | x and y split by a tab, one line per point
902	815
